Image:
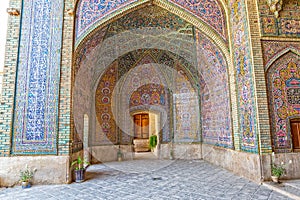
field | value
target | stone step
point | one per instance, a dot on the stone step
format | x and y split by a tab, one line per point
287	188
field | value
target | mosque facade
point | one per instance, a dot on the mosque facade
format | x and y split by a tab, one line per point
217	80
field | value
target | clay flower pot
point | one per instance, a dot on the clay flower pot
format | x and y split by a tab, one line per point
275	179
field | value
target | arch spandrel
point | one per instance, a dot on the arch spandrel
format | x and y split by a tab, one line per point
207	15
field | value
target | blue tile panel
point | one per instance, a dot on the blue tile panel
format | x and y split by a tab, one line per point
38	75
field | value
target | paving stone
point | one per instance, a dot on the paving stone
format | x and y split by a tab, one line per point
177	180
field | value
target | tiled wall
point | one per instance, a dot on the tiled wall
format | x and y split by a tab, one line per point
9	78
286	25
250	56
38	77
247	112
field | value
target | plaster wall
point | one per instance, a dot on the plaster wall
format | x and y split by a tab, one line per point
108	153
49	169
291	163
180	151
241	163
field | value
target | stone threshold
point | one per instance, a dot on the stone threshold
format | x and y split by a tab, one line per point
289	189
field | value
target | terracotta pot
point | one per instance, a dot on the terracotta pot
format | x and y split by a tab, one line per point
275	179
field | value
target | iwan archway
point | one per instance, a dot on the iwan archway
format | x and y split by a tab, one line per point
149	59
77	71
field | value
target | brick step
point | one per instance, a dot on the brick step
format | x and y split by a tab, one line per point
141	145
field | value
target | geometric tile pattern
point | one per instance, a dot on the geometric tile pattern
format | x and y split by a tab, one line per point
284	90
244	80
36	103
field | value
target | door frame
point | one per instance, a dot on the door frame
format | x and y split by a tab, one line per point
291	120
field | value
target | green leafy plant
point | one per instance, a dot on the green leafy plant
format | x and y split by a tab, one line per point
79	163
277	170
153	141
27	174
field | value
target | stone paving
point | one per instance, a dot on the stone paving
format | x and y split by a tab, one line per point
150	179
290	188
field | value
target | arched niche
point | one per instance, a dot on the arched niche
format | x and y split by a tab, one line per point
206	62
283	81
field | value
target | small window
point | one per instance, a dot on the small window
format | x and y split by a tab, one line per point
295	131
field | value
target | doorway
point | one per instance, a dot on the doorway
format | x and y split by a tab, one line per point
141	126
295	131
141	132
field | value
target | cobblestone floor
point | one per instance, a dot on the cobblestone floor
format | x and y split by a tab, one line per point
150	179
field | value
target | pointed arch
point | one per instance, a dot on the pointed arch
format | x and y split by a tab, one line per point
279	55
107	48
206	23
283	82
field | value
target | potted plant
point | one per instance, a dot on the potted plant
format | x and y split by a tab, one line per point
119	155
79	169
277	171
152	141
26	176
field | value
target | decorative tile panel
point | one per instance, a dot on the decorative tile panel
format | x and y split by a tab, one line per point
288	22
215	98
244	78
144	86
90	12
104	104
148	94
36	104
210	11
83	51
284	94
290	26
273	49
152	16
186	108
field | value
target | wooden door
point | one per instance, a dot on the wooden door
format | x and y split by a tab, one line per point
141	126
295	131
